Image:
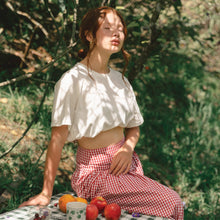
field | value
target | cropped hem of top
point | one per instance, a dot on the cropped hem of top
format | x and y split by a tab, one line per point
90	102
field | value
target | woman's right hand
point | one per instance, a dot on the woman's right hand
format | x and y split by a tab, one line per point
36	200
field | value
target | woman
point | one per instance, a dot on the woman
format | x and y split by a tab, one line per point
96	106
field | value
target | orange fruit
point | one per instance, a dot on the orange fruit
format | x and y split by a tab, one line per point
64	200
79	199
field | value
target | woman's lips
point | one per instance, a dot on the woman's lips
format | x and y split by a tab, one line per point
115	42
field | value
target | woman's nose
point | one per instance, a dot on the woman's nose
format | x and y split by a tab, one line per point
116	33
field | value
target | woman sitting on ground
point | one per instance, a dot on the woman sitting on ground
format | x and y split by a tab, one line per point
96	106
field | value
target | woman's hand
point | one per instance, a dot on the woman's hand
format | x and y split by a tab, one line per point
36	200
121	161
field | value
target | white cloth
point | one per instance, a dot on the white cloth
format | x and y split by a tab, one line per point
91	102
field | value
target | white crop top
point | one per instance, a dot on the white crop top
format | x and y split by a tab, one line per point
89	106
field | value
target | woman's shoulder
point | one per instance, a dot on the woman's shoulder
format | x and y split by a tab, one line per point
76	71
119	78
118	74
73	75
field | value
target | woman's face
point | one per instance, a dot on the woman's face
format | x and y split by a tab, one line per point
110	35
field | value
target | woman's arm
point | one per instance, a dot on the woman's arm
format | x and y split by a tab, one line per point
122	160
58	138
131	137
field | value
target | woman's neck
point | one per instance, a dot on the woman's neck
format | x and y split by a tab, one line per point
97	62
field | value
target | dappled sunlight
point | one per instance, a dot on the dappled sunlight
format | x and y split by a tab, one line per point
101	96
174	70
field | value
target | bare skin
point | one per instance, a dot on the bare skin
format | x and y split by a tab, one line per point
58	138
109	40
120	164
122	159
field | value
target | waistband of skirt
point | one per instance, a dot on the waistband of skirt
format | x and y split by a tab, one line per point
99	155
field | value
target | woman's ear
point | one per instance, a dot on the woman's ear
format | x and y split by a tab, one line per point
89	36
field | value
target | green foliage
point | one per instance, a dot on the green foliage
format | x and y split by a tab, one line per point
180	134
173	71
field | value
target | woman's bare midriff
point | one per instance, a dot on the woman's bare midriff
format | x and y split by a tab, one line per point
103	139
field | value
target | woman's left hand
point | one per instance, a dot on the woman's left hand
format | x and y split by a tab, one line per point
121	161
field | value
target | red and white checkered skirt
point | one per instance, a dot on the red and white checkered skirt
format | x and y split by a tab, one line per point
133	191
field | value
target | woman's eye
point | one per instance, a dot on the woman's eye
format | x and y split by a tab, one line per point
107	28
121	29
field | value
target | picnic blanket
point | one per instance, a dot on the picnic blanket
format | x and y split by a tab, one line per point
28	212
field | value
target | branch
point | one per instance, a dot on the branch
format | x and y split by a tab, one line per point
52	16
28	47
44	96
37	24
29	75
41	104
43	81
28	128
73	37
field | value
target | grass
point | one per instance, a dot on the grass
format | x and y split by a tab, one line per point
179	145
22	169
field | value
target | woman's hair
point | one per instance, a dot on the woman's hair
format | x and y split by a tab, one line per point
90	25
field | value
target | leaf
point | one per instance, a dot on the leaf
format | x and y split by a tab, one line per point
136	34
62	6
145	42
133	24
120	7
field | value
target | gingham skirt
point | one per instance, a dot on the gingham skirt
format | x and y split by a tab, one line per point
133	191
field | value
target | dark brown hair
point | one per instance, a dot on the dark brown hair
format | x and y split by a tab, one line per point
91	23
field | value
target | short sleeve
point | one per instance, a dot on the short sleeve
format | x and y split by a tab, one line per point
65	98
137	118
